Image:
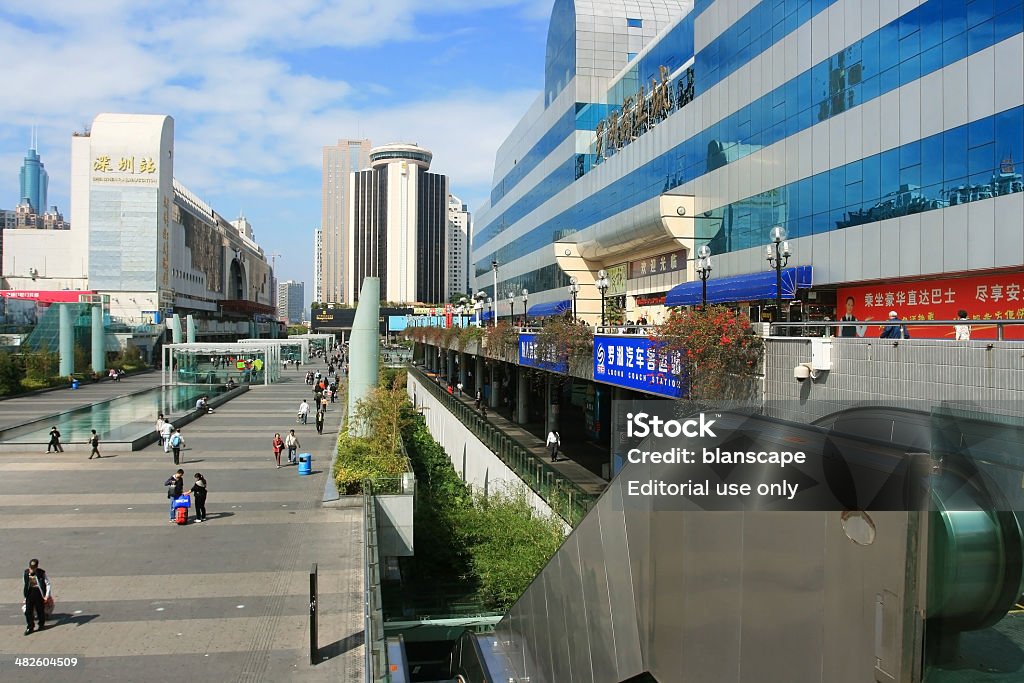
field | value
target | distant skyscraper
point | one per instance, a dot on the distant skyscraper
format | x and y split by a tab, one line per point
339	162
290	301
459	239
399	226
34	181
318	265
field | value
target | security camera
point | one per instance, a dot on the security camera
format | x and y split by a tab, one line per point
804	371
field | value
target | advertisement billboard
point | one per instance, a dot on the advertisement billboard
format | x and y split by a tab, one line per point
985	298
635	362
529	355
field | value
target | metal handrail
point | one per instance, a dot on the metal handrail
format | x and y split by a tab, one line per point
999	324
375	650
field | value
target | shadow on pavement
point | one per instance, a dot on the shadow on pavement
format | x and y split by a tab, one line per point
72	619
219	515
340	647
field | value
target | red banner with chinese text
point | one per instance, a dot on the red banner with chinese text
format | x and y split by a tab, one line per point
989	297
63	296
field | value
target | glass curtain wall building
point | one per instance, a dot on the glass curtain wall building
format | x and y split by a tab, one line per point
887	138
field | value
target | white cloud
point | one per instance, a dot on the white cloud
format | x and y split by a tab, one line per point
251	117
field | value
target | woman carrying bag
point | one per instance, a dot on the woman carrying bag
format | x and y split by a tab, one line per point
278	447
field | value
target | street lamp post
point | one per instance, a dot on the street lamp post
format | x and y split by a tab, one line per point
602	286
490	308
574	289
494	269
777	254
704	271
526	295
463	309
512	306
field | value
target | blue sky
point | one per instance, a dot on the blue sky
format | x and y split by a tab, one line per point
256	88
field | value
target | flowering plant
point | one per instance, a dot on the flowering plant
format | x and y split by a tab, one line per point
562	338
719	350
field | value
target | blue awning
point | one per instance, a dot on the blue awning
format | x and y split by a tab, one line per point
549	308
487	315
752	287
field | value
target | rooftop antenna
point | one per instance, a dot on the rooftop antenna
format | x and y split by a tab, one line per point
32	141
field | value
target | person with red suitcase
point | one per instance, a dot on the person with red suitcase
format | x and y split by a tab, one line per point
175	484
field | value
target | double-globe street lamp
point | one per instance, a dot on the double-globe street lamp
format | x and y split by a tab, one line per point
574	289
463	309
704	272
512	306
602	286
478	305
526	296
777	253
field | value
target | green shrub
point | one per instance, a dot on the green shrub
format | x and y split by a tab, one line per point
510	544
496	543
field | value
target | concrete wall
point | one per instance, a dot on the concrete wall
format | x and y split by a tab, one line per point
395	525
475	463
915	373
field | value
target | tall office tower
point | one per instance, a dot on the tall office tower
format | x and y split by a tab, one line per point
318	265
339	161
399	226
34	181
290	298
458	246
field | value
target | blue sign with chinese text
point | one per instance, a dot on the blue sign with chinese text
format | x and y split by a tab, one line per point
528	356
635	362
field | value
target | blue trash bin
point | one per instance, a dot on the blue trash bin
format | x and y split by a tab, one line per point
305	463
74	384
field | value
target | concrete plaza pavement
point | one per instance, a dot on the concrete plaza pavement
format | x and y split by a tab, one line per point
140	599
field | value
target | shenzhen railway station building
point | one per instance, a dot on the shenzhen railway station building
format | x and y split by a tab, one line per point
885	138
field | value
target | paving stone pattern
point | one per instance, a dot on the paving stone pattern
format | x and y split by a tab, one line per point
140	599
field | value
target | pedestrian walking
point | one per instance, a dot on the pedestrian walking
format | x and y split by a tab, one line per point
553	442
459	387
175	485
177	443
319	422
37	594
895	329
54	441
160	429
291	442
303	411
94	441
165	432
199	491
962	332
278	447
479	396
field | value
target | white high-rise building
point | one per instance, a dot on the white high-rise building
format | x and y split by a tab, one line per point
339	161
399	226
318	265
459	239
290	298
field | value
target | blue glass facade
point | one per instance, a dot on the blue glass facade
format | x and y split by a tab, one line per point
965	163
34	182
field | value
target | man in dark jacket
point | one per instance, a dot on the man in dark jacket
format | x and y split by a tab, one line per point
175	484
37	590
895	329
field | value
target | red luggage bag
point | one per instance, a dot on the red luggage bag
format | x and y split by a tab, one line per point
181	515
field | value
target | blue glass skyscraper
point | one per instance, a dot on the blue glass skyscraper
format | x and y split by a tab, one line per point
34	180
